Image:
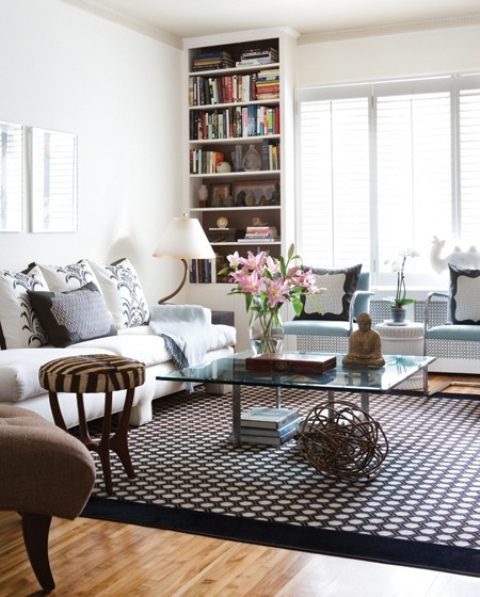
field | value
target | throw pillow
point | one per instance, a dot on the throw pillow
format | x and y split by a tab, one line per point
20	327
464	295
73	316
68	277
334	302
123	293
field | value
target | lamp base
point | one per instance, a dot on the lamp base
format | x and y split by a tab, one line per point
182	283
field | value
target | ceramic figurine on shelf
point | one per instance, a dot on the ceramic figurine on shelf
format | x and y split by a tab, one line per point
202	195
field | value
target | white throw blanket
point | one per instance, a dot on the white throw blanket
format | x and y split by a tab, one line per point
187	325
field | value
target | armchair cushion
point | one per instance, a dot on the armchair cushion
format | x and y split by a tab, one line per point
464	295
334	302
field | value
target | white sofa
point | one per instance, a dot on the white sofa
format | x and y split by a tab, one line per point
26	344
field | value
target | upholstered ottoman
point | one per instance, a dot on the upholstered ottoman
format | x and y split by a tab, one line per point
44	472
104	374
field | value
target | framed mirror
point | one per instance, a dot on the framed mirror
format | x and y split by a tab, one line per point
11	177
54	164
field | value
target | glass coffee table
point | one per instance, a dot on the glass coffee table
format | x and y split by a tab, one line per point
361	379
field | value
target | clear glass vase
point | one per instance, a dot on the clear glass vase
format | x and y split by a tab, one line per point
266	333
252	160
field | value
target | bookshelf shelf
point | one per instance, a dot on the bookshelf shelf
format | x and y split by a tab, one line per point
232	106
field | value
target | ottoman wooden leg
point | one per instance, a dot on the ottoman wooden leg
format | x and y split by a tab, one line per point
35	535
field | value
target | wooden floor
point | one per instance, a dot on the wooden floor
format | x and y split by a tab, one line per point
100	559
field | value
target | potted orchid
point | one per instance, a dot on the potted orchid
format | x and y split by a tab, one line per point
401	300
267	283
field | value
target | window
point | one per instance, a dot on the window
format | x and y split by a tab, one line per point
385	167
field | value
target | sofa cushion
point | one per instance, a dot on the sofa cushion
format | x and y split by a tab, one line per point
68	277
19	325
334	302
73	316
19	369
464	295
123	293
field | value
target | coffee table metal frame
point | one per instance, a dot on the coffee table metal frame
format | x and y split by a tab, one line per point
360	379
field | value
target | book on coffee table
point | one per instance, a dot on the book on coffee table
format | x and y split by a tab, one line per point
268	418
291	362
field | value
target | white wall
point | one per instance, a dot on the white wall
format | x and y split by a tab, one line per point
403	55
65	69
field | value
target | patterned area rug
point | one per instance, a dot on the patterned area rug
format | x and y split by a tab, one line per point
426	495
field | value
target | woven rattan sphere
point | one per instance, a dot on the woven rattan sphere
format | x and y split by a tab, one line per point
342	440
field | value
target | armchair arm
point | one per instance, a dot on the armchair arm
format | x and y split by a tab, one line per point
351	312
428	300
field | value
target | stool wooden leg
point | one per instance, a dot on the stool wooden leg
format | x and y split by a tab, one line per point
56	412
119	442
104	444
82	423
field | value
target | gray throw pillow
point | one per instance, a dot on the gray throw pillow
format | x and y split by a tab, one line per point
73	316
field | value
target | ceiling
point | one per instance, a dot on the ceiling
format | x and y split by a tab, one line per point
320	18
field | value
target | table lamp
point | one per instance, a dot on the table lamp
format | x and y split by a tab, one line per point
183	239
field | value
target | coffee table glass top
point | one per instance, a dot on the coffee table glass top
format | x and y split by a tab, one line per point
231	370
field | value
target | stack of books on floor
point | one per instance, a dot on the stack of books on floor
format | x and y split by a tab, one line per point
269	426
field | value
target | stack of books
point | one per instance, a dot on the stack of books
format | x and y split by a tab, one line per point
263	233
258	56
212	60
267	85
269	426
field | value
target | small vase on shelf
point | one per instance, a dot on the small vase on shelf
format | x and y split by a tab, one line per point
266	333
252	160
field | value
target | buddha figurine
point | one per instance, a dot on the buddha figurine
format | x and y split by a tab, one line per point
365	345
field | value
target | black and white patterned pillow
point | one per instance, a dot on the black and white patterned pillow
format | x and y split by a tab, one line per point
20	327
334	303
464	295
123	293
68	277
73	316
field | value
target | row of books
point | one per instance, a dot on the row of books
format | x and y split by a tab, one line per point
270	155
212	60
219	58
202	271
204	91
204	161
269	426
235	122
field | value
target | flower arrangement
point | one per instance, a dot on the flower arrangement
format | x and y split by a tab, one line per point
401	299
267	283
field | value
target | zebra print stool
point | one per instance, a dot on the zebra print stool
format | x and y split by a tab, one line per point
96	373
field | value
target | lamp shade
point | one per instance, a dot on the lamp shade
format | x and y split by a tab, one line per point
184	238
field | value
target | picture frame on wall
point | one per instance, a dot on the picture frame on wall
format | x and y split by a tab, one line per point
54	163
11	177
218	194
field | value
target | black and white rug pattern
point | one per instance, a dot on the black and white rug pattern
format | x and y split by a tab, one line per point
428	489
